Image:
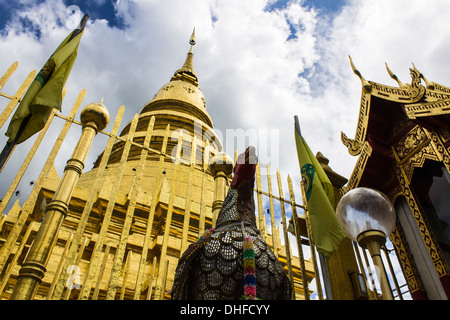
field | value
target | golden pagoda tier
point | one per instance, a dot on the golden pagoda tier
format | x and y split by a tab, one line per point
177	108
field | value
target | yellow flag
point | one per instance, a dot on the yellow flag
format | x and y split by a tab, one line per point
326	229
45	92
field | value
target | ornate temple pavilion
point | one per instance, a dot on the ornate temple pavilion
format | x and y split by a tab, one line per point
402	141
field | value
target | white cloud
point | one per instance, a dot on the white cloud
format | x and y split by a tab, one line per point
252	71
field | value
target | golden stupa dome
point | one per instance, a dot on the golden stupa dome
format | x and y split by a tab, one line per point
182	91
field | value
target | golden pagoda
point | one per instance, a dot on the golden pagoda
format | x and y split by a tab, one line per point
156	187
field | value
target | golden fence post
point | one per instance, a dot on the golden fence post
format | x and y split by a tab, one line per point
15	99
163	263
16	256
29	157
8	74
125	275
299	240
391	269
90	275
31	201
311	242
166	269
287	245
187	211
60	266
26	162
94	117
372	285
150	281
93	195
202	214
135	190
100	273
272	213
261	217
370	292
151	216
70	282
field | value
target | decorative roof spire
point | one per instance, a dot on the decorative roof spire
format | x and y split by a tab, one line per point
192	40
430	85
367	87
394	77
186	73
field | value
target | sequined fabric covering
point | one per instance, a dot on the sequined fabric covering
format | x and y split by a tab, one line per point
213	267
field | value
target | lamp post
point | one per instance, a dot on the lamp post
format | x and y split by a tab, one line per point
368	217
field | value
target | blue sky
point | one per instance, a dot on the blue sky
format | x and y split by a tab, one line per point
95	9
324	6
105	9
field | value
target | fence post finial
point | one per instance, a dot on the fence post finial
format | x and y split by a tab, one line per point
94	118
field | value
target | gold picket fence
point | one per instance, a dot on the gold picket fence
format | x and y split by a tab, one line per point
130	269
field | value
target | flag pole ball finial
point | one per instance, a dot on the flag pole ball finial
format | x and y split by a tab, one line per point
95	112
221	162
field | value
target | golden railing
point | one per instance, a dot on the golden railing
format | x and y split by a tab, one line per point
19	227
133	275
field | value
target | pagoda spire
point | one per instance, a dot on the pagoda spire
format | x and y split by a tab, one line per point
192	40
186	73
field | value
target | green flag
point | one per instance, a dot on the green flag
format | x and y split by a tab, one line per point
45	92
326	229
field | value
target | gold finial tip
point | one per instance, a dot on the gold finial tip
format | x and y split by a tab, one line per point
394	77
221	162
352	64
192	39
366	85
95	112
391	74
